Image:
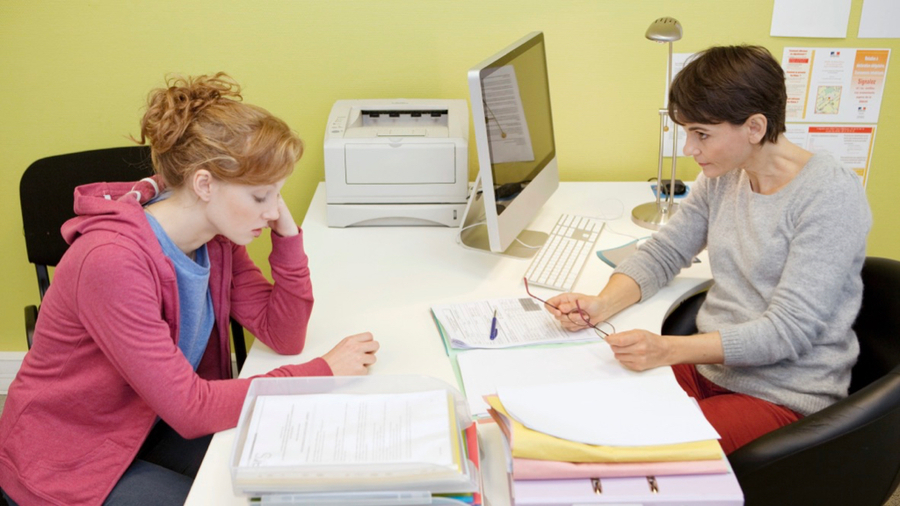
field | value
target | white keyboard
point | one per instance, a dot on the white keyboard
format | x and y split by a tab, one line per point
560	260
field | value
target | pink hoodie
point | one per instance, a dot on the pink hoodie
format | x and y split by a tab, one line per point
105	362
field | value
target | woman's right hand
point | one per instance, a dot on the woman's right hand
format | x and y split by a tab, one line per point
569	303
620	292
353	355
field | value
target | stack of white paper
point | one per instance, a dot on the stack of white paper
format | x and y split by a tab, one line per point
483	372
637	411
326	429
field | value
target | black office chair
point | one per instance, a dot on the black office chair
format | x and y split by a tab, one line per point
46	192
848	453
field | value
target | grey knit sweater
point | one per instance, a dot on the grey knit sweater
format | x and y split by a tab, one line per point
787	279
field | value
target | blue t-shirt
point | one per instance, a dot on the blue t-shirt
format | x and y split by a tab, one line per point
194	297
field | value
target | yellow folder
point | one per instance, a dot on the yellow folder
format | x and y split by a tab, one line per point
530	444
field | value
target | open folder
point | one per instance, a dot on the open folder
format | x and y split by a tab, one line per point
347	438
517	322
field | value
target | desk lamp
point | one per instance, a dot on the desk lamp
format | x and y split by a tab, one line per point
654	215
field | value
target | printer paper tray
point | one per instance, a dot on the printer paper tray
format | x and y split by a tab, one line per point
373	215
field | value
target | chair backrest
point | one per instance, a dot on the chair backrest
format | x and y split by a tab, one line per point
878	324
46	192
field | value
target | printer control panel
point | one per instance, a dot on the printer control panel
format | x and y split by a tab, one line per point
337	125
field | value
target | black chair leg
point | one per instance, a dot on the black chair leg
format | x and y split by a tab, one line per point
31	314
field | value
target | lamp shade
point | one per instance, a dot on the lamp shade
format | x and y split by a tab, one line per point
664	30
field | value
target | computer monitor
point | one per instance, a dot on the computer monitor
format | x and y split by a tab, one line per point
510	100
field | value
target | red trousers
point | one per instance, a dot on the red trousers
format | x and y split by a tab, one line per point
738	418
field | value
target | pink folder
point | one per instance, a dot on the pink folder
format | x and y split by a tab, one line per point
532	469
690	490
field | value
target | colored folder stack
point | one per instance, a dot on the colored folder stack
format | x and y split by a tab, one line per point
539	456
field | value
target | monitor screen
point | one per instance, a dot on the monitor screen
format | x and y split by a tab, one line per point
510	100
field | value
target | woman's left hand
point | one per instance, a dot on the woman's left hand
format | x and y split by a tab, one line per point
640	350
285	226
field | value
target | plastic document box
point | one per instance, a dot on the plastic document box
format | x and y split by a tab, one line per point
355	482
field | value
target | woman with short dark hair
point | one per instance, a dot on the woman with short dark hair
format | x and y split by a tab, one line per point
786	234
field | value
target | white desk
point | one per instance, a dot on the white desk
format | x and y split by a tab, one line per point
385	280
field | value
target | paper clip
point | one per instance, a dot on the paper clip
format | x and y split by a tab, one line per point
654	487
595	484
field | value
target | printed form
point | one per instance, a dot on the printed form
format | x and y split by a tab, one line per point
519	322
322	429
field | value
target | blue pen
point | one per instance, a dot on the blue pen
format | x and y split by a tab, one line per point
494	326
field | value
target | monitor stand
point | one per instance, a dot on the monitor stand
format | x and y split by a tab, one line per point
474	234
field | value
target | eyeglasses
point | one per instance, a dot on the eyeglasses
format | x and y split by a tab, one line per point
578	316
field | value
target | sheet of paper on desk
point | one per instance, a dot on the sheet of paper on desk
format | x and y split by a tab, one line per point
321	429
520	322
636	411
484	371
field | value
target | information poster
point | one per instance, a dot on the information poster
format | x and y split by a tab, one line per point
849	144
834	85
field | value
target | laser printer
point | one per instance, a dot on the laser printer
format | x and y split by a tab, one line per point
396	162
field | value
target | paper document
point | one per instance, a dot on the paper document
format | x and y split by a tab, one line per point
879	19
323	429
637	411
484	371
519	322
810	18
507	126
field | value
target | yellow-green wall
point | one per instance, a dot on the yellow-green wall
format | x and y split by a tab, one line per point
74	76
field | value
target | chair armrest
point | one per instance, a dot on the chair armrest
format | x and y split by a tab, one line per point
683	319
31	314
852	441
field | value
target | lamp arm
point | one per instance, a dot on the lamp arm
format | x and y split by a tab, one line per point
662	154
670	198
668	78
